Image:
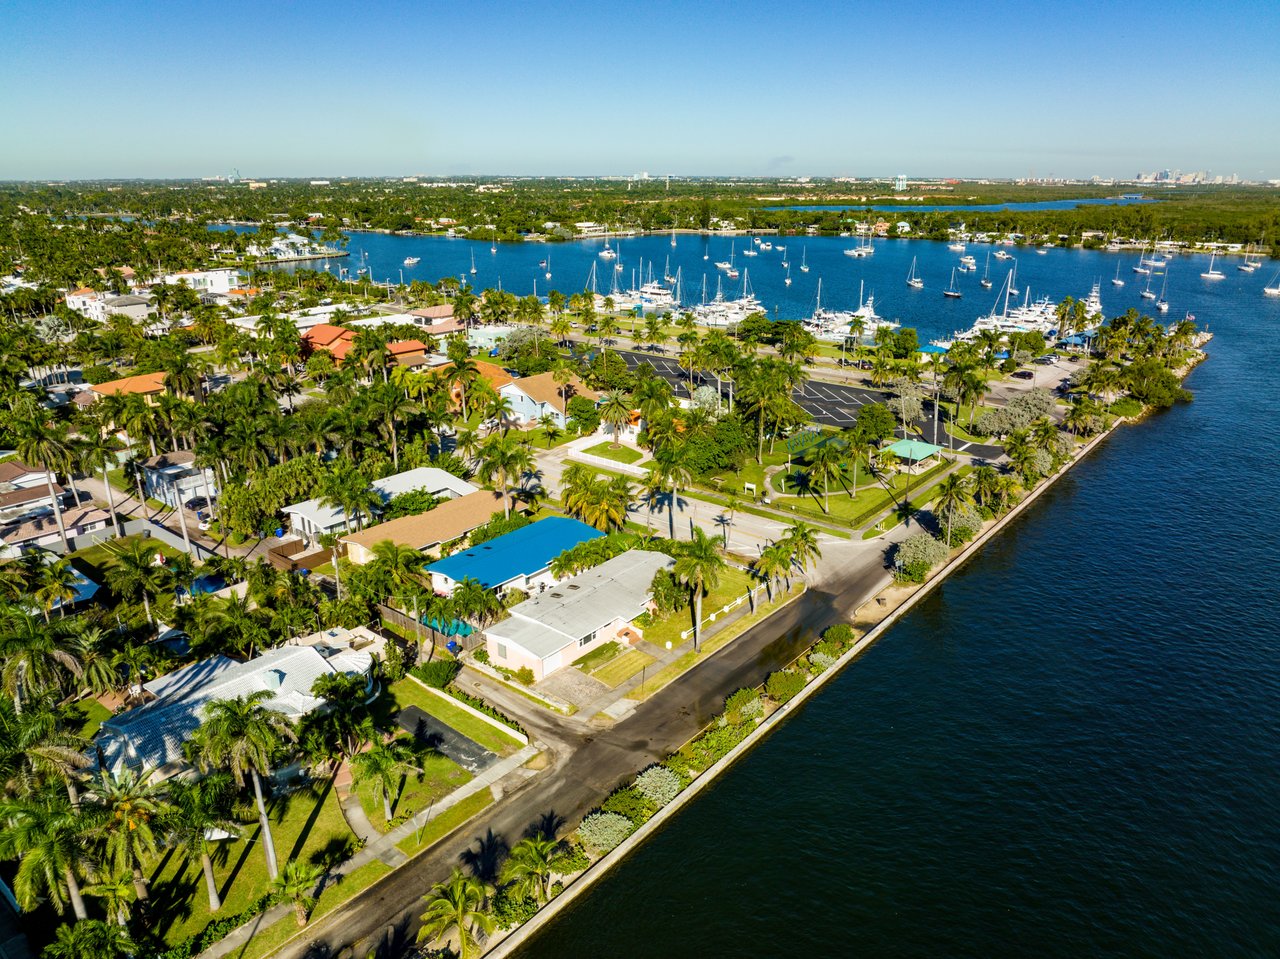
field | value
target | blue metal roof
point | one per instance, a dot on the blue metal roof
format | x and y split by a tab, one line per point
523	552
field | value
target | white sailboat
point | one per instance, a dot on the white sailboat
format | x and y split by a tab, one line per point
607	253
1273	288
1147	294
548	273
1162	304
914	281
951	292
787	281
1013	279
673	236
1142	262
473	262
1211	273
986	273
1116	281
493	241
804	265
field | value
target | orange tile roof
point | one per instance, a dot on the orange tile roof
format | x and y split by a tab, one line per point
543	388
442	312
401	347
83	291
144	383
324	334
496	375
340	349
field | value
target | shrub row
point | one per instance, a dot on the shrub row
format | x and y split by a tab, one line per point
476	703
217	929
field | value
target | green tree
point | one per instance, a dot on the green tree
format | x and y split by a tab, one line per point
51	841
296	883
243	735
40	442
698	567
131	806
134	574
531	864
457	905
954	492
386	763
198	808
90	939
504	458
615	411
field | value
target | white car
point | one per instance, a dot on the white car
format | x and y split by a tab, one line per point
205	525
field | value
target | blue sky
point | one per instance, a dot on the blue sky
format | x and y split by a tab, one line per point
281	88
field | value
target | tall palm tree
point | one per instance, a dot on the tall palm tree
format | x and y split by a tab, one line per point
504	458
953	493
242	735
385	763
91	939
117	893
58	582
197	808
40	442
51	841
615	411
99	455
458	904
531	863
825	465
698	566
772	564
296	883
134	574
801	543
33	656
131	805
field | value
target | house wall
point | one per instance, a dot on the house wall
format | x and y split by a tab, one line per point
527	410
189	485
517	656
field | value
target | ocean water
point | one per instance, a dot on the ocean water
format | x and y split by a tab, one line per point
517	267
1072	748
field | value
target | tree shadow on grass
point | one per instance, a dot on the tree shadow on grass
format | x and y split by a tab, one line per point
320	796
249	843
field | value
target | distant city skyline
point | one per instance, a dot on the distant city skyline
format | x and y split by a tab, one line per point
158	90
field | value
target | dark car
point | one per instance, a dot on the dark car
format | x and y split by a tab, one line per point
198	503
1024	375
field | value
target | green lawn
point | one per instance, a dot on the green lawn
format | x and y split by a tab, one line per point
597	657
306	825
623	668
446	822
95	560
619	454
407	692
93	714
439	777
872	496
537	438
733	583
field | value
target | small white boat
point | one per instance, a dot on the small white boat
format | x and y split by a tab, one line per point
731	273
548	273
957	246
787	281
1273	289
804	265
1002	255
1117	281
1147	294
986	273
1162	305
607	253
473	262
914	281
1042	252
765	246
412	260
951	292
1211	273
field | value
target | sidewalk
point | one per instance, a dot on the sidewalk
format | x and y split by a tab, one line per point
383	848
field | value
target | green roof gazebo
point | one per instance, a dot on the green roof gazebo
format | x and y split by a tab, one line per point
914	450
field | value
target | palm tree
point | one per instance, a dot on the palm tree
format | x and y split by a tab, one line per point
457	904
463	372
801	543
385	764
531	863
504	457
197	808
38	441
131	805
117	893
242	735
99	454
296	882
34	657
550	428
825	465
91	939
58	582
698	566
985	482
953	493
615	410
134	574
51	841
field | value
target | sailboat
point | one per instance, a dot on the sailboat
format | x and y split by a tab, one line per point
493	241
986	273
673	236
548	273
1273	289
1013	279
1211	273
1142	262
914	281
1147	294
666	272
607	253
473	262
804	265
951	292
1248	266
787	281
1117	281
1162	304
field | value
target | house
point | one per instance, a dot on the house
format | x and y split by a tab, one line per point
495	376
518	560
15	474
217	282
22	502
149	385
533	397
43	529
88	302
438	320
133	306
151	736
174	478
325	336
310	520
429	531
576	615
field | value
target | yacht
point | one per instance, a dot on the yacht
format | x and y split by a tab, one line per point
607	253
1211	273
951	292
412	260
1117	281
957	246
833	325
766	245
1002	255
969	261
1273	289
914	281
1093	302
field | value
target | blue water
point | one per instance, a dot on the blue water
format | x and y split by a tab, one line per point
1060	272
925	208
1070	749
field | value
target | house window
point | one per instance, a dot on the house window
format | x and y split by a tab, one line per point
586	639
502	650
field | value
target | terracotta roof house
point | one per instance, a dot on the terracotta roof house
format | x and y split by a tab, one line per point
146	384
427	531
324	335
533	397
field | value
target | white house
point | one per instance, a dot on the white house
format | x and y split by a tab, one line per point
311	520
174	478
533	397
205	281
576	615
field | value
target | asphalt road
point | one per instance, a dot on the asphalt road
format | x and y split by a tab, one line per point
589	763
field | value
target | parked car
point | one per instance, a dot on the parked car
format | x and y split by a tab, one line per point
206	524
1023	375
197	503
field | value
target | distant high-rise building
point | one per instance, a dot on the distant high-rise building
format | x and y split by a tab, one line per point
900	182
